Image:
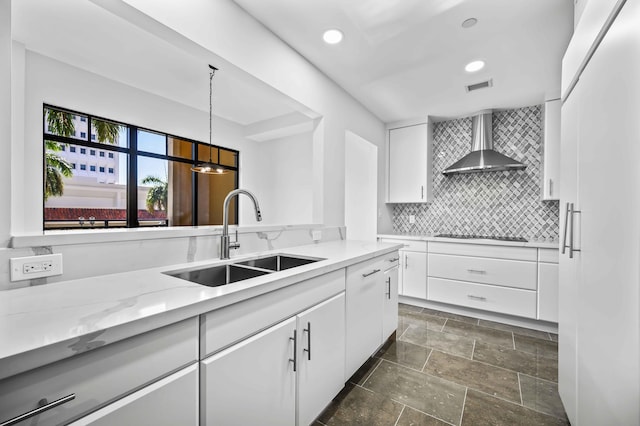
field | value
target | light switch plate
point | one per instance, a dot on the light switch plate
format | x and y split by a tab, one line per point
412	219
26	268
316	235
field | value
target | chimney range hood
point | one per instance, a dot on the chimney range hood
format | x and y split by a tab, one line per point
482	157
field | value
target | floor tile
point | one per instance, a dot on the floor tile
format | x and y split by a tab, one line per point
403	307
484	410
515	329
524	362
411	417
473	374
363	372
358	406
484	334
546	348
421	319
541	395
554	337
407	354
448	315
446	342
420	391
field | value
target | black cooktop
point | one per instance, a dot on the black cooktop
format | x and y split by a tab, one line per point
484	237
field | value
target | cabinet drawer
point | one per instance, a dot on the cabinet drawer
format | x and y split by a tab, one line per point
507	273
226	326
484	250
101	375
486	297
548	255
412	245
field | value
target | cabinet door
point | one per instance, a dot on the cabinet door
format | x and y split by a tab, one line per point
548	292
252	382
390	303
321	356
408	164
414	274
551	151
364	313
170	401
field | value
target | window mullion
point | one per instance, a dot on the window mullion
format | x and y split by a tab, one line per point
132	179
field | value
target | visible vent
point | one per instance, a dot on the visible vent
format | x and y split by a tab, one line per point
477	86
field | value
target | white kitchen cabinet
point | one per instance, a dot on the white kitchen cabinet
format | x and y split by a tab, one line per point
390	302
170	401
548	292
551	151
599	284
409	177
414	273
321	356
252	382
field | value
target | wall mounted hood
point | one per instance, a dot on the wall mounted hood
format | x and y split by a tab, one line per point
482	157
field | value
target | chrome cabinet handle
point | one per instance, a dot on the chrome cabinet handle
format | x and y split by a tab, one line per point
422	192
471	296
389	284
550	187
395	259
406	261
295	350
43	406
308	350
564	234
476	271
571	249
375	271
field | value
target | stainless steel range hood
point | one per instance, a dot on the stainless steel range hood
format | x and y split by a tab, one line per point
482	157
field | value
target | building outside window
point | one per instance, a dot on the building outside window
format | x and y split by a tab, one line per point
72	149
159	183
93	137
83	135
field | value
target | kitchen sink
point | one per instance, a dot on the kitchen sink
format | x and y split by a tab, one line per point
278	262
214	276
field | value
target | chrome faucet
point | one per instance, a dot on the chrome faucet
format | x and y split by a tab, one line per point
225	243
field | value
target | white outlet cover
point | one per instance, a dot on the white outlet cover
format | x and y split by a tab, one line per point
17	265
412	219
316	235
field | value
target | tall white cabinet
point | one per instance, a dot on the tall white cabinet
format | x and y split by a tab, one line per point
599	365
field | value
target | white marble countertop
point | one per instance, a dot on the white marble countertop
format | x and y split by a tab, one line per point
534	244
42	324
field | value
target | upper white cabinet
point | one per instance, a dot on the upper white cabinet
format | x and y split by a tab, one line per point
551	151
410	164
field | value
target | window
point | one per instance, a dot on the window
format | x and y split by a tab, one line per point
73	166
93	137
72	149
83	119
147	169
83	135
63	147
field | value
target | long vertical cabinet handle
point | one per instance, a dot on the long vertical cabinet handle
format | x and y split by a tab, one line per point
295	350
406	261
422	192
564	234
308	350
550	187
389	286
43	406
571	248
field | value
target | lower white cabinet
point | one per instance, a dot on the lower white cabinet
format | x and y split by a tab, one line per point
170	401
414	274
259	380
390	302
548	277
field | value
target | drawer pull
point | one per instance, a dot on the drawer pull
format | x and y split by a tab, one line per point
308	331
294	360
476	271
44	406
471	296
375	271
395	259
389	292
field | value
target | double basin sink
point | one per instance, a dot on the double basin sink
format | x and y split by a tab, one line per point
214	276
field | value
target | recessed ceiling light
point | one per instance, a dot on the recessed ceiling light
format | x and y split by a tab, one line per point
468	23
332	36
474	66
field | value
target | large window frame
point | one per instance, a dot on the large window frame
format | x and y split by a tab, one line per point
132	153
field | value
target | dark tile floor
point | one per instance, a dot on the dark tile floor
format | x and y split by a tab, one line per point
447	369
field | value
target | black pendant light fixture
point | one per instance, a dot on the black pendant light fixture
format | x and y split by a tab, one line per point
209	167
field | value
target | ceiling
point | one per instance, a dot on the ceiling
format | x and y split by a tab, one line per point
404	59
87	36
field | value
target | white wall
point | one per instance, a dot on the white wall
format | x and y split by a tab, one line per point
5	120
361	188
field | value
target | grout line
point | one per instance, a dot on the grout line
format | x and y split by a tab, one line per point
473	350
403	333
539	378
372	371
513	338
427	360
445	323
423	412
520	389
464	401
400	415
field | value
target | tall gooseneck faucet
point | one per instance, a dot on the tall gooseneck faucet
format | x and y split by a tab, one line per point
225	243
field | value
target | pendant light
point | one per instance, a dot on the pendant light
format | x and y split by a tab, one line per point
209	167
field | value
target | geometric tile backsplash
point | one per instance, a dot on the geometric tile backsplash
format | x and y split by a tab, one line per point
492	203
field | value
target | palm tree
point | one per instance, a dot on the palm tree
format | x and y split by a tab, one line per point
157	195
56	168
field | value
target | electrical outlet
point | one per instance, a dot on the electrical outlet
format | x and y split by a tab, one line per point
26	268
316	235
412	219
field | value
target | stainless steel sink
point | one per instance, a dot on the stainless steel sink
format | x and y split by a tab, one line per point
214	276
278	262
